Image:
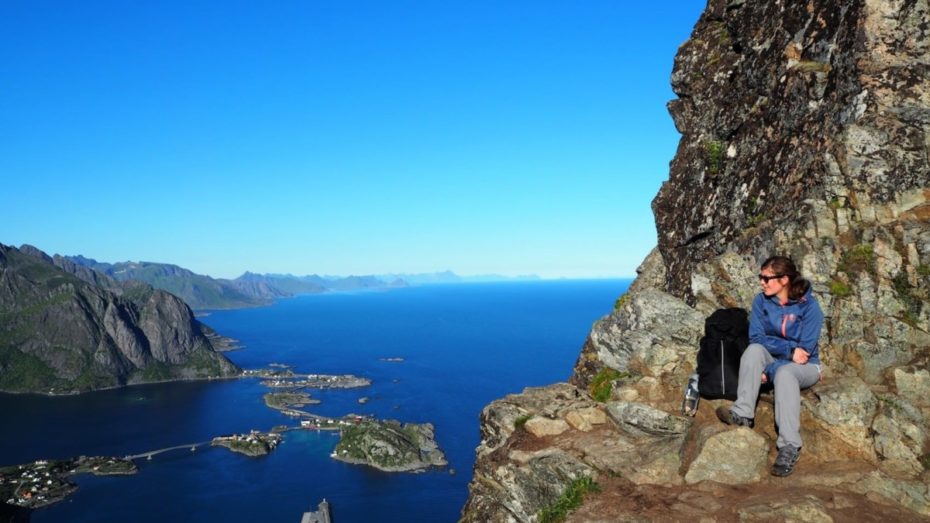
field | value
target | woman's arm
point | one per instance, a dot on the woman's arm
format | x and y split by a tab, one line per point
811	323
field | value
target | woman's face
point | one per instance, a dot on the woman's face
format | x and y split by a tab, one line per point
773	284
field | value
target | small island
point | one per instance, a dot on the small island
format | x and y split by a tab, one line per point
285	378
389	445
252	444
39	484
286	400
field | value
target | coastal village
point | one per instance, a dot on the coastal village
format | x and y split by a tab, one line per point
284	377
255	443
43	482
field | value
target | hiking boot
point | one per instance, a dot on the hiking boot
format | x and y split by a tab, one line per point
726	415
784	463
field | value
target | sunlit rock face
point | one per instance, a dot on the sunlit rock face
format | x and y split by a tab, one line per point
805	132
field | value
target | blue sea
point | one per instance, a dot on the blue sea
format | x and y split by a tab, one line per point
462	345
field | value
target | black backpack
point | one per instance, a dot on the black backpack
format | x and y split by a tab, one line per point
726	335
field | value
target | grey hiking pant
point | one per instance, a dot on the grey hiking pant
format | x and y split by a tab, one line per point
789	380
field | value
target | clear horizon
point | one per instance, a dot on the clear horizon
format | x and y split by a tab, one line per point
335	275
350	138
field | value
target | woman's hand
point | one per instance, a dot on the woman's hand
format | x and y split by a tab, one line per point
800	356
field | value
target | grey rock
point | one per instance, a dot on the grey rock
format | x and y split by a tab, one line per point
542	427
518	493
912	494
846	409
913	384
899	436
653	333
586	418
641	419
733	457
499	419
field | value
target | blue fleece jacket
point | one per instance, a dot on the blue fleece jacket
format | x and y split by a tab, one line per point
782	327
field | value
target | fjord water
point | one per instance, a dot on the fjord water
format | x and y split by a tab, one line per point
463	346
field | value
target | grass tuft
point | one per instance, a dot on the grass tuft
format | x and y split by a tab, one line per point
621	301
520	422
839	288
715	151
860	258
570	499
603	383
913	304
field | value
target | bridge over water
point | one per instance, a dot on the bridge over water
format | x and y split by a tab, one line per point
192	446
150	453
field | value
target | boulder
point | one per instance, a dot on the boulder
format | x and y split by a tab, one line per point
733	457
517	493
899	436
651	333
542	427
915	495
585	419
845	410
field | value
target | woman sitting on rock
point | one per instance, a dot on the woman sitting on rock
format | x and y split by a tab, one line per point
783	332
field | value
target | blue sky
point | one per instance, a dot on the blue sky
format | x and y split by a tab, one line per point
340	137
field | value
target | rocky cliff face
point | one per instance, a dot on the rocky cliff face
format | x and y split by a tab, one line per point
64	328
805	131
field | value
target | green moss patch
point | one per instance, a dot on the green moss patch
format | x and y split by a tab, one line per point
714	151
570	500
520	422
603	383
622	300
840	289
860	258
909	297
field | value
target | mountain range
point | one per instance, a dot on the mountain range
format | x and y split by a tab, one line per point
249	290
202	292
451	277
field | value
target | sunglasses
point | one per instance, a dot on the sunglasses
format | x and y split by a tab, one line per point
766	279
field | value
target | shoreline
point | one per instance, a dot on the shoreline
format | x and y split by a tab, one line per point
157	382
423	466
242	374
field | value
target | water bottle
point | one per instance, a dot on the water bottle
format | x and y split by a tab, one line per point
689	405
